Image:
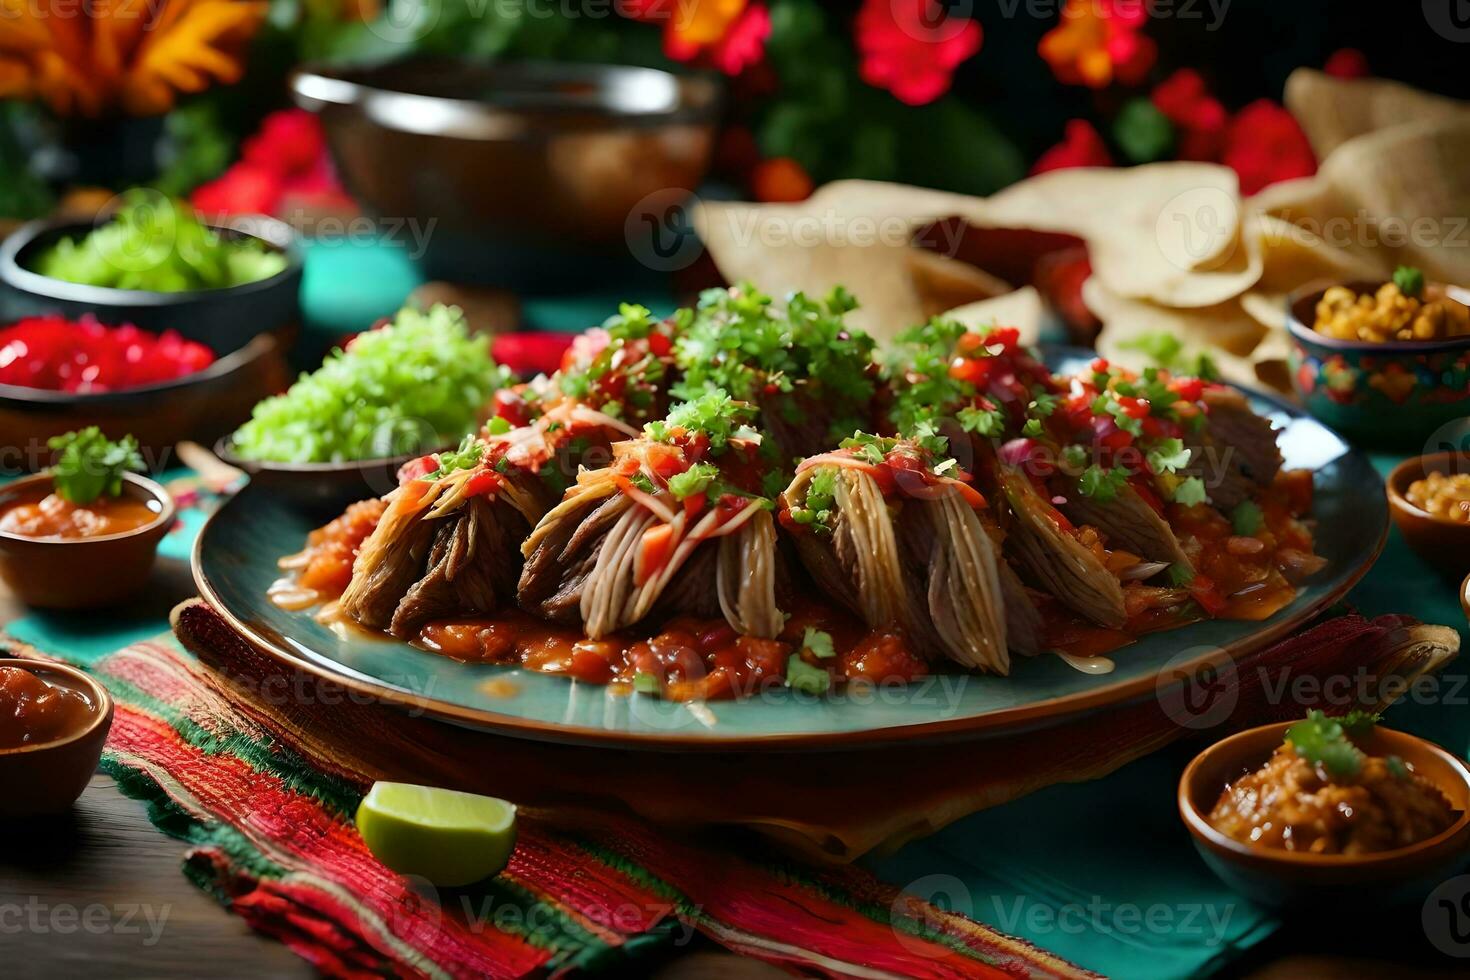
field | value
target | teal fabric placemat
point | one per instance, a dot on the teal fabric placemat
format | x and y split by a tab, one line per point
1100	873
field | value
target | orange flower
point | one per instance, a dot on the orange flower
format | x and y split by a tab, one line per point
1099	41
132	55
702	22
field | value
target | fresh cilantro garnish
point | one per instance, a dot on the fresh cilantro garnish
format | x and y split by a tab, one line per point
631	322
1033	428
466	457
641	480
92	466
802	676
714	413
695	480
739	341
988	422
1168	456
1246	518
1190	491
917	367
870	448
1409	280
1180	575
819	643
1101	484
1167	351
1074	457
1042	404
1326	742
498	426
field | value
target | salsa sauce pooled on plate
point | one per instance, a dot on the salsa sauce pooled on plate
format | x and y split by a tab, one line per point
34	711
1320	794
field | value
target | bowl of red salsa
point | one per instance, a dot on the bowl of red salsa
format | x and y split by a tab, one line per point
55	554
59	374
53	722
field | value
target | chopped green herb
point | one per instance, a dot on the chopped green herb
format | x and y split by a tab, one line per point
92	466
714	413
466	457
1190	491
917	368
498	426
1168	456
1167	351
1409	280
1247	518
1102	484
988	422
1180	574
1033	428
802	676
819	643
642	482
1325	741
645	683
696	479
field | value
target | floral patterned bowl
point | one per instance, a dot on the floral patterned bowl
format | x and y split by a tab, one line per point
1389	396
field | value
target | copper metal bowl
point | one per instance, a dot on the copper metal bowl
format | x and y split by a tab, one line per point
501	173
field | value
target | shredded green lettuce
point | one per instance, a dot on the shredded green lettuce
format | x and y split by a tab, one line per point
419	382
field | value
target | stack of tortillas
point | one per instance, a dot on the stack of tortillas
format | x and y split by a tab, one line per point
1173	246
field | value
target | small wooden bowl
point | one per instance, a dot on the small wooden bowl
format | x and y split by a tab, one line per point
83	573
1280	878
49	776
319	487
1444	544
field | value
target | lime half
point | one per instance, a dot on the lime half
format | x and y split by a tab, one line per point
448	837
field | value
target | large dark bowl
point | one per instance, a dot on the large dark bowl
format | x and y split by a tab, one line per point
504	172
222	319
1390	396
200	406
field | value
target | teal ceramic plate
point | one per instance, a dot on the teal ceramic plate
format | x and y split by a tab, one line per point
235	562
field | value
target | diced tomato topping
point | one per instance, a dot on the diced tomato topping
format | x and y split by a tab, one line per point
1202	589
483	482
416	469
1189	389
973	371
656	550
659	344
694	503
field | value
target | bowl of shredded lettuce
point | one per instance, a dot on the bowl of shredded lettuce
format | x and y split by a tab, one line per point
151	261
418	383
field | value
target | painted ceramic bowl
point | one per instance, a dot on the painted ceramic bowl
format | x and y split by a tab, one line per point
1392	395
221	319
1444	544
1280	878
47	777
200	406
83	573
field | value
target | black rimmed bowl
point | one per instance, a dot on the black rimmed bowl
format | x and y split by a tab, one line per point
224	319
319	488
1392	395
500	173
83	573
199	406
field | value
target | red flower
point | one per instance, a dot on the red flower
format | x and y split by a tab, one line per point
1098	42
1264	144
744	44
731	32
912	47
1347	63
1081	147
780	179
288	142
1198	117
245	188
